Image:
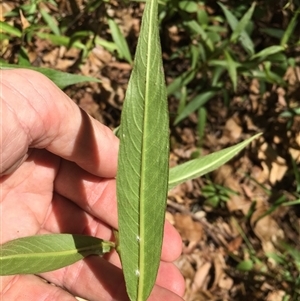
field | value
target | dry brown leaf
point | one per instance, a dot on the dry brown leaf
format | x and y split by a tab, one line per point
24	21
278	170
202	277
189	229
184	263
254	86
170	218
4	8
274	166
101	54
292	75
226	283
51	57
219	265
235	244
233	129
88	104
295	153
276	295
281	96
266	228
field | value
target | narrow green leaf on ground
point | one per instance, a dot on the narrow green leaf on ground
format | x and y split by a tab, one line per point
233	23
232	69
120	41
142	178
61	79
43	253
201	166
5	27
50	21
290	29
61	40
240	27
268	51
196	103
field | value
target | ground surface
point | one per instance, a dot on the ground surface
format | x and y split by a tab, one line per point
215	239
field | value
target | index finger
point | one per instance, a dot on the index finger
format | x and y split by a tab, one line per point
45	117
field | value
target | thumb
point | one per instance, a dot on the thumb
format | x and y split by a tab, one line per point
37	114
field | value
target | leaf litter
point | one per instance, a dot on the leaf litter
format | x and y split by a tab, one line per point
247	225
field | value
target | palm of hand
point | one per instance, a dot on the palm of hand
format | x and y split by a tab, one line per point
49	192
34	203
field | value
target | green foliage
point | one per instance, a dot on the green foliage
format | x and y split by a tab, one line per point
120	41
43	21
43	253
285	266
222	45
281	265
216	195
61	79
201	166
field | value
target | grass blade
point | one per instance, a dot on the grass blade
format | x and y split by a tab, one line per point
232	69
197	102
242	23
5	27
51	22
290	29
268	51
120	41
233	22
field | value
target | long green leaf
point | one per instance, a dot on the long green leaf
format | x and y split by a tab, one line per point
5	27
182	80
61	40
142	178
242	23
201	166
61	79
43	253
290	29
120	41
232	69
50	21
268	51
233	23
196	103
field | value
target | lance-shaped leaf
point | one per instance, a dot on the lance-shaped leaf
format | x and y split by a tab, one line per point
61	79
201	166
142	178
44	253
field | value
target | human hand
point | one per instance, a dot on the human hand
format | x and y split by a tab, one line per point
57	168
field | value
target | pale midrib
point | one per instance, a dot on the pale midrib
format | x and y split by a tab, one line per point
49	254
143	163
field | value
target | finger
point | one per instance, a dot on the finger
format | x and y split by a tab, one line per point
67	217
98	198
96	279
37	114
170	278
31	288
26	195
86	224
